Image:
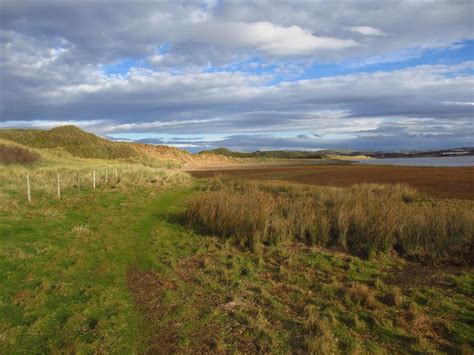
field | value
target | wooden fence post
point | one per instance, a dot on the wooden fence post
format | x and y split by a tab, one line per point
93	179
28	188
59	188
106	176
78	182
116	174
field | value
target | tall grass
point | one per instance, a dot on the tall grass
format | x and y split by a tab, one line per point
43	180
363	219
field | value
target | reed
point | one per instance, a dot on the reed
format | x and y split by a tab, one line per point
366	219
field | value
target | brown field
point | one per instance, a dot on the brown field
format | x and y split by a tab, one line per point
435	181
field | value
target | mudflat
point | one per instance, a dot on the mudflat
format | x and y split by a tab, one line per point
443	182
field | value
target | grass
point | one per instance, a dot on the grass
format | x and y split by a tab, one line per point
363	219
73	140
118	270
65	262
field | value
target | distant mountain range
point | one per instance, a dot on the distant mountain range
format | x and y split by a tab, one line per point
414	154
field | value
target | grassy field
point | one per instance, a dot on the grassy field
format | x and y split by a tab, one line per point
122	270
152	261
437	182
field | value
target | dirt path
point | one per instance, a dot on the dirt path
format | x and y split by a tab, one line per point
146	288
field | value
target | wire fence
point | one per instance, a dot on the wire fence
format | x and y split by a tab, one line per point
79	180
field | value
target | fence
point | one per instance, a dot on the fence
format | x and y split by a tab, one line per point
81	181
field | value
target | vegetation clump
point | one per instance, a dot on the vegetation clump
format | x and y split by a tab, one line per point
365	219
10	154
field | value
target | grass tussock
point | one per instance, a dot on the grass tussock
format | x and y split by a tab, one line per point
10	154
361	294
319	339
365	219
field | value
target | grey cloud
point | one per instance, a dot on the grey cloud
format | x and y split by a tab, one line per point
104	31
54	55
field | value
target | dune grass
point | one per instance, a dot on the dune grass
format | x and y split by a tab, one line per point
73	140
364	219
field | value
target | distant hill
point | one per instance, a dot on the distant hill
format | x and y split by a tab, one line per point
279	154
72	139
82	144
182	156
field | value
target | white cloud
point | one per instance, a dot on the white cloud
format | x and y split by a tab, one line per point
156	58
265	37
367	30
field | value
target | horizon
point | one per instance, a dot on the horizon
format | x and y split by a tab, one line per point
247	77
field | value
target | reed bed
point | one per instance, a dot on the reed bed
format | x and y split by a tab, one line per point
365	219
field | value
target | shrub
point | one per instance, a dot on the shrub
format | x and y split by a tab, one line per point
16	155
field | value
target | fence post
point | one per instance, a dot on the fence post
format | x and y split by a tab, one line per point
106	176
59	188
116	174
28	188
78	182
93	179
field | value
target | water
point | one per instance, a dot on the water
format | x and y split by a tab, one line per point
428	161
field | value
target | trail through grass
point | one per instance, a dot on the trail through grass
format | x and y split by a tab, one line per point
64	264
120	272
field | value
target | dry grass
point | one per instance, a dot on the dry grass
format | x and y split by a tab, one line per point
81	230
118	176
393	296
319	339
361	294
363	219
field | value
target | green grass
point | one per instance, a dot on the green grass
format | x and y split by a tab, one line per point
118	271
73	140
64	263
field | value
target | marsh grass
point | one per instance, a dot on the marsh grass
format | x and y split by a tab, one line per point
365	219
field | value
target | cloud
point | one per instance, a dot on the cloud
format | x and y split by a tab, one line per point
198	32
265	37
231	70
367	31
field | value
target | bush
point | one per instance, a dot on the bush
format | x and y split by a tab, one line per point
363	219
16	155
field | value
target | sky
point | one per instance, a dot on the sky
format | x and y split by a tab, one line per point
359	75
